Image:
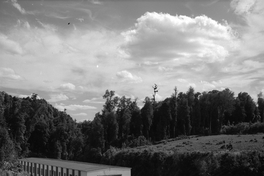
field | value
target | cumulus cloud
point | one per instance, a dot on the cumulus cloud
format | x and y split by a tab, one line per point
165	37
67	86
58	97
9	73
128	77
73	107
160	48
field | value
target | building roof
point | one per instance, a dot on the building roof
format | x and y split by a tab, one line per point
82	166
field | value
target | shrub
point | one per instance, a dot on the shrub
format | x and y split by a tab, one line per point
255	128
140	141
243	128
162	163
12	168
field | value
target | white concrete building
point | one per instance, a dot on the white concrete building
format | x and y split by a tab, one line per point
54	167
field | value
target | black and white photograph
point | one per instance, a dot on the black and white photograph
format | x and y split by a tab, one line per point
131	87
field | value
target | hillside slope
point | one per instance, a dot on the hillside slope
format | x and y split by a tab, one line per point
220	155
215	143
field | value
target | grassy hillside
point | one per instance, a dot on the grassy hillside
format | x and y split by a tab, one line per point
220	155
215	143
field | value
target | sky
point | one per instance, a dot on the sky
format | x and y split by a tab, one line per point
70	52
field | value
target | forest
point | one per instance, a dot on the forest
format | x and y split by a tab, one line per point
31	127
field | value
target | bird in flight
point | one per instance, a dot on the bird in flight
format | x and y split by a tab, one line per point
69	23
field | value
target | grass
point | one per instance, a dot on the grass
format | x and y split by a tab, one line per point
218	155
217	143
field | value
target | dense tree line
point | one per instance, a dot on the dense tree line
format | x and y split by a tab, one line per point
33	127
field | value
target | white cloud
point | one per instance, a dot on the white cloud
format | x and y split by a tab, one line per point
206	86
163	37
94	100
9	73
51	58
182	80
22	23
9	45
150	63
67	86
158	97
47	26
96	2
164	69
128	77
25	96
57	97
242	6
193	85
18	7
251	34
73	107
80	19
55	15
160	48
80	114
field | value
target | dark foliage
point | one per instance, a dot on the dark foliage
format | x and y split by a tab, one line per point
149	162
33	127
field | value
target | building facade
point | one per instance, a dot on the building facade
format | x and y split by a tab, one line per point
52	167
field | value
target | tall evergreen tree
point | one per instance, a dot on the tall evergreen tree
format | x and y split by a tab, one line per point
190	97
136	121
147	116
261	106
196	128
124	118
184	121
173	107
110	126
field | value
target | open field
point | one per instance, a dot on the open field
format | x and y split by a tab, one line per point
218	155
216	143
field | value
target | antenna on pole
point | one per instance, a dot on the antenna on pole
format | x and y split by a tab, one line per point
155	89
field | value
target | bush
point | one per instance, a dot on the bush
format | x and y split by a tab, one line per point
140	141
243	128
12	168
157	163
11	173
255	128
